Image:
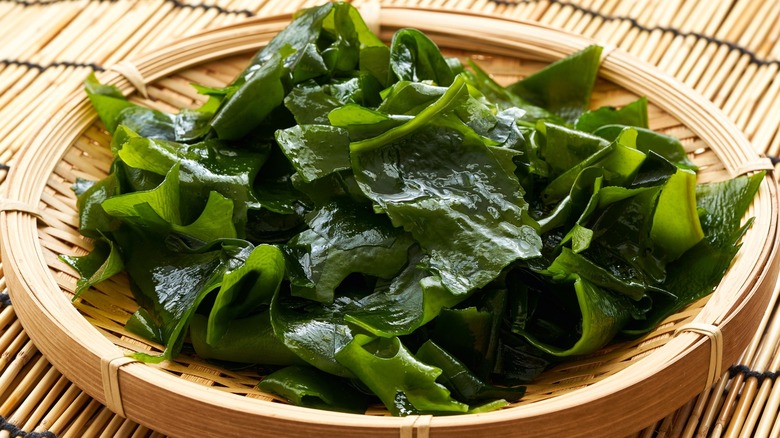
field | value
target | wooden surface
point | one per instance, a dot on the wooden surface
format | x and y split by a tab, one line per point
728	51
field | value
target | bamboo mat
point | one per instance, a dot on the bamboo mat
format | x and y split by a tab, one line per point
728	50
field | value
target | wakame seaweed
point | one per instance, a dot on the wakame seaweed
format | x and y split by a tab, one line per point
386	224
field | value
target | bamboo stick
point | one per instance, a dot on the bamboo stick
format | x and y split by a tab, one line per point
757	411
757	31
744	113
36	420
571	18
729	404
129	429
726	15
100	422
762	130
536	11
732	95
715	401
681	418
23	414
695	416
760	414
159	34
69	35
768	342
61	414
54	23
650	431
552	12
24	384
754	84
7	315
650	19
595	25
615	30
11	335
77	428
582	20
148	19
774	146
16	365
142	432
666	43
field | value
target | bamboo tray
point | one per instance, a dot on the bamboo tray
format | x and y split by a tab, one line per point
618	391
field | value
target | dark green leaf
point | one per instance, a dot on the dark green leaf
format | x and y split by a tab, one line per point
414	57
245	289
245	340
519	363
634	114
451	192
170	283
311	388
404	384
107	100
508	100
206	167
564	148
252	102
666	146
115	110
600	315
401	306
568	263
102	263
620	161
468	334
624	246
93	220
315	150
724	204
700	269
362	123
302	31
563	87
676	226
159	211
313	331
309	104
344	238
409	98
465	386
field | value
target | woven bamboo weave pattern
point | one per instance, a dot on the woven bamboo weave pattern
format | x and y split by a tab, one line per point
728	51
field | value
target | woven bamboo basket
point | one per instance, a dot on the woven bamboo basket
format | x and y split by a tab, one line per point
617	391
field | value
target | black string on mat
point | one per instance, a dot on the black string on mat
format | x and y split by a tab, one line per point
42	67
760	376
183	4
48	2
5	300
220	9
15	432
710	39
176	3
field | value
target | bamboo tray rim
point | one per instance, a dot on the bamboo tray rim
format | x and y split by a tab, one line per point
61	315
